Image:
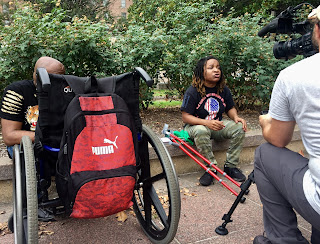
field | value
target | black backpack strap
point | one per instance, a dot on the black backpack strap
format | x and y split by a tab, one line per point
84	85
76	83
91	85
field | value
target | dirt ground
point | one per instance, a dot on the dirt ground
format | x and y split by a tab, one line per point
155	118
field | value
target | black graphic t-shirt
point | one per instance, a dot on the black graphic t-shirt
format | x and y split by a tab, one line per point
210	107
19	103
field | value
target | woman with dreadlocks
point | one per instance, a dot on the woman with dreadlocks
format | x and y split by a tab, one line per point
203	105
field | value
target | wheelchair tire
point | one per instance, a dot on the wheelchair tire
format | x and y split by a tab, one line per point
25	212
158	215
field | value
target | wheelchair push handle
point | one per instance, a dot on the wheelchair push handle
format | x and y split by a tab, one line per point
143	74
43	77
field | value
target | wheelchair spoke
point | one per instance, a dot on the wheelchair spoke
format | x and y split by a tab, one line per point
153	179
158	206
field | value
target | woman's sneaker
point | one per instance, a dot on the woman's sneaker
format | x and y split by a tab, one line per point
206	179
235	174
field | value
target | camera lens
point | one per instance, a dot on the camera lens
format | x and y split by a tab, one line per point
290	49
282	50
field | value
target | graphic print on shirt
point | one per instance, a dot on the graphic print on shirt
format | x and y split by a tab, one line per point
32	115
212	107
12	103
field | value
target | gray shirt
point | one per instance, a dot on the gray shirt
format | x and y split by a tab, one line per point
296	97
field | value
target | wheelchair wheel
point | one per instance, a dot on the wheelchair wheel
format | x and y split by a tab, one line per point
157	211
25	202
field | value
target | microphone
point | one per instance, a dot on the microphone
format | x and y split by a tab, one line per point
281	24
271	27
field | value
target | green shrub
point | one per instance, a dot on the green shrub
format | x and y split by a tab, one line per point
168	36
81	45
194	30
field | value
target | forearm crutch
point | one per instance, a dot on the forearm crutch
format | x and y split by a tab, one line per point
182	144
221	230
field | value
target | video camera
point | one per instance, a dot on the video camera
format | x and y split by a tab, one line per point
284	24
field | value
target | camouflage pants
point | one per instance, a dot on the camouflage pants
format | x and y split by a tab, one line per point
202	136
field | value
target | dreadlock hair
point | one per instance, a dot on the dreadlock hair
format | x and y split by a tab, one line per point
198	77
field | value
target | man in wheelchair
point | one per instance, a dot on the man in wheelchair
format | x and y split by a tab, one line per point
19	111
19	105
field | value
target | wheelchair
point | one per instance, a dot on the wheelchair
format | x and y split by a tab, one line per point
34	164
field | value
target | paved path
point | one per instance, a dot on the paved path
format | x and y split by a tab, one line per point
201	211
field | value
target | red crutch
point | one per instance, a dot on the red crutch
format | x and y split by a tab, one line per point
182	144
221	230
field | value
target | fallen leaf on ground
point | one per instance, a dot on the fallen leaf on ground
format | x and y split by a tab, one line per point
186	192
45	232
121	216
4	229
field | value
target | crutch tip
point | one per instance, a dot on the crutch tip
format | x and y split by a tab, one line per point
221	230
243	199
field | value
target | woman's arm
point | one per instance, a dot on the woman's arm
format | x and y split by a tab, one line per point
233	114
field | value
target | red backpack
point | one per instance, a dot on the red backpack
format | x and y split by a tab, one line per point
96	167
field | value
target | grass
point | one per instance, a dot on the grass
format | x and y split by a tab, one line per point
164	98
165	104
163	93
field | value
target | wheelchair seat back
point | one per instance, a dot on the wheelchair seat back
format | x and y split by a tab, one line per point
53	101
97	136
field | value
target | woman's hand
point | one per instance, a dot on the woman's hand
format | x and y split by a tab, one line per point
233	114
214	124
244	123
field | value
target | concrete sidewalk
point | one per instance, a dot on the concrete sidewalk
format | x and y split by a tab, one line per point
201	211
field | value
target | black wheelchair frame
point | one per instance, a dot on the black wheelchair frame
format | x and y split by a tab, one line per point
158	220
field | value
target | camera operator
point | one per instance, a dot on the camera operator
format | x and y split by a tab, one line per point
286	181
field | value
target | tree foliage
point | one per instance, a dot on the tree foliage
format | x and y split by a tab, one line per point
161	36
83	46
263	6
91	9
188	30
